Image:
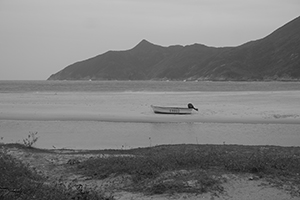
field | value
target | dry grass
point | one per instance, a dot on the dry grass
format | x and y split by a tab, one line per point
147	165
154	170
19	181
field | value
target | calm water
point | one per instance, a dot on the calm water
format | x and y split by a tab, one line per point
137	86
104	135
100	135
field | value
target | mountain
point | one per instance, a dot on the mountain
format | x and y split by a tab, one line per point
133	64
275	57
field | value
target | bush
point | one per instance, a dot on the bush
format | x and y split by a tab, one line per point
18	182
31	139
147	164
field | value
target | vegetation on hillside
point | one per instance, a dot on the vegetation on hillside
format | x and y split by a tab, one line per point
275	57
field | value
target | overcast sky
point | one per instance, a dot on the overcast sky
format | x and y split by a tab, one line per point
40	37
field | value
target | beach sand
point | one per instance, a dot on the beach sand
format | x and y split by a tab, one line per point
95	120
279	107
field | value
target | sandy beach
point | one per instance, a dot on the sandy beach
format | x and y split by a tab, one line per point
126	120
277	107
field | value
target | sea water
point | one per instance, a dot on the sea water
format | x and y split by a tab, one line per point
103	135
139	86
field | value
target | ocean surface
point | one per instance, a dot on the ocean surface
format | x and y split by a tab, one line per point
124	135
142	86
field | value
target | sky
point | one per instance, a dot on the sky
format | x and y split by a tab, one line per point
41	37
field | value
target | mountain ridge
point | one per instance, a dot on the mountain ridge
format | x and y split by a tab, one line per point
274	57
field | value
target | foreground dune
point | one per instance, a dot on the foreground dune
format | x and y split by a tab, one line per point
56	165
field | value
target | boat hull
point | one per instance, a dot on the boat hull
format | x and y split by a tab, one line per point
171	110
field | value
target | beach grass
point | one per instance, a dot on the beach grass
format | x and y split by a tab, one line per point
164	169
19	181
190	166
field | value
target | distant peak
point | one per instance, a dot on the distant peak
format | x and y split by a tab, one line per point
144	42
144	45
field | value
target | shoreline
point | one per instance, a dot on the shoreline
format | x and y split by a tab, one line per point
126	119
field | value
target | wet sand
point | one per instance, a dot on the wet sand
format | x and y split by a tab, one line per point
280	107
95	120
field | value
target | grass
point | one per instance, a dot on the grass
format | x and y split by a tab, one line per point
18	181
149	162
155	170
148	165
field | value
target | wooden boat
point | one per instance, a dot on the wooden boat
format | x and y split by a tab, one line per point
174	110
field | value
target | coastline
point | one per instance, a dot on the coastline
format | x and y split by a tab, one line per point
125	119
222	115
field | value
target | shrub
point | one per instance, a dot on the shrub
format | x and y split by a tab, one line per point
147	164
31	139
18	182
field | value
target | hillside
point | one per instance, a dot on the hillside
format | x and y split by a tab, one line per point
275	57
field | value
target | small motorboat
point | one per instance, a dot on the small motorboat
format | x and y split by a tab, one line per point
174	110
